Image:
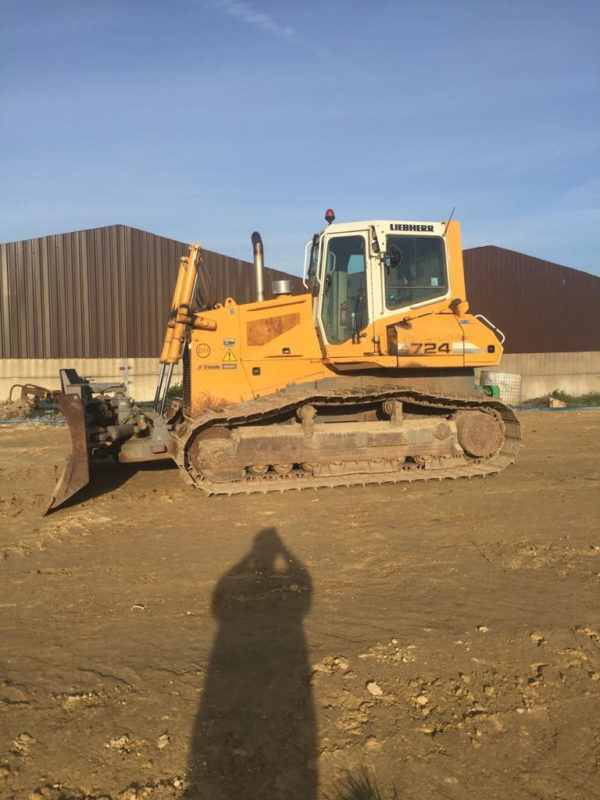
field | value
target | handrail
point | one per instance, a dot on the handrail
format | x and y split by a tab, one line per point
492	326
304	270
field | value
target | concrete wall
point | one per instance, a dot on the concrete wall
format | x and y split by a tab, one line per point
141	373
574	373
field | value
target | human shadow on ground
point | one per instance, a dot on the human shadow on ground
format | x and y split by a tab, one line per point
255	732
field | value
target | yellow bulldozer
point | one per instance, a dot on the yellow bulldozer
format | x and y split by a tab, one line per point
365	377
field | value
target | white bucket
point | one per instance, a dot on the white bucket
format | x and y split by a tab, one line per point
509	385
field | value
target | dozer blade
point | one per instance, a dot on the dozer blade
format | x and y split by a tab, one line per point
76	470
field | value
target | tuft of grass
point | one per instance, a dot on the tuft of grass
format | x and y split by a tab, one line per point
175	390
362	786
589	399
573	401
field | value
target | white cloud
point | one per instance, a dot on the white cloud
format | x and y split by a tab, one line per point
244	12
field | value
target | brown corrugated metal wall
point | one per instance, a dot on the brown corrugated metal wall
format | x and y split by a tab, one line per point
103	293
541	307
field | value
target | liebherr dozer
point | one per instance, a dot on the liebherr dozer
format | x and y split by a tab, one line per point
366	377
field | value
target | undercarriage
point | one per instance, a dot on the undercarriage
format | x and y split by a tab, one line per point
375	432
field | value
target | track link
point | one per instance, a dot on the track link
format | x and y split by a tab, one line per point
271	407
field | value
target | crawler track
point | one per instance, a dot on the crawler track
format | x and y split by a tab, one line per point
341	395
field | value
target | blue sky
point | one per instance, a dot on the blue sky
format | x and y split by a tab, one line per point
207	119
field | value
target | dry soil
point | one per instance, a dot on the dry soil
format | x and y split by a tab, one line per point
157	643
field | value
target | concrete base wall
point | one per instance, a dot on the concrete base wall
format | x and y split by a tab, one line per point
574	373
141	373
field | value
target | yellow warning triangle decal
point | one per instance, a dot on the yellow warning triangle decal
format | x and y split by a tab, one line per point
229	357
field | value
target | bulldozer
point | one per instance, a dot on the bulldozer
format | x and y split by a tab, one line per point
366	377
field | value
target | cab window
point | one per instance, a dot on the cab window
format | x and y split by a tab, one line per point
344	308
415	270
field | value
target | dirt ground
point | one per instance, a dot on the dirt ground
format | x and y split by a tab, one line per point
156	643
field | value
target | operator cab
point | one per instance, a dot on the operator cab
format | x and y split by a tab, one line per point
366	271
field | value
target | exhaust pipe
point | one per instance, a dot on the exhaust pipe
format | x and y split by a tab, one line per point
257	247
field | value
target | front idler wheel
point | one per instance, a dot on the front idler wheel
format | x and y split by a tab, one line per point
480	433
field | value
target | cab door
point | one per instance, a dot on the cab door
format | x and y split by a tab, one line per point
345	305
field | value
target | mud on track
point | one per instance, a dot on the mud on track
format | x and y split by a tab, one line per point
157	643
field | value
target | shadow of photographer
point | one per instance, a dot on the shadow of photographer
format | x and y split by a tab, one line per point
255	732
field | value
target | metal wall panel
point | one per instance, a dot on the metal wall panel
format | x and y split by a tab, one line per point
103	293
541	307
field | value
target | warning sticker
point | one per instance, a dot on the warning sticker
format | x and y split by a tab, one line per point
229	358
